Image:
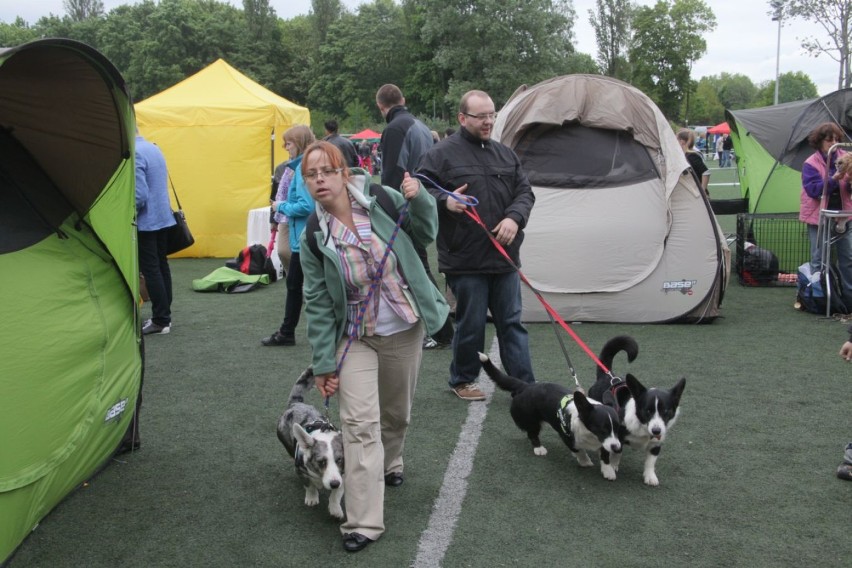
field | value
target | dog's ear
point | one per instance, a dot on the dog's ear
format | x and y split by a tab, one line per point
584	407
634	386
677	390
623	396
302	437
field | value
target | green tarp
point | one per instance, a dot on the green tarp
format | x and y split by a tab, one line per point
226	279
70	357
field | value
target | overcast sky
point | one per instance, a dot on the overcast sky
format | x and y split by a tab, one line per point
745	40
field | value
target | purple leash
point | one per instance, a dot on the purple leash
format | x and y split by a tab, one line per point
377	280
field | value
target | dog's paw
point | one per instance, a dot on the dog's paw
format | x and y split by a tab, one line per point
311	496
334	508
583	459
608	471
651	479
540	451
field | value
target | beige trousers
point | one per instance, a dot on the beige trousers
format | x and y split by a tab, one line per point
377	384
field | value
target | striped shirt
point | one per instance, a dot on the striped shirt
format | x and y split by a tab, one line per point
360	255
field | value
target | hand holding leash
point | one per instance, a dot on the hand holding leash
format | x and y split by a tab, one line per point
327	384
410	187
457	201
456	205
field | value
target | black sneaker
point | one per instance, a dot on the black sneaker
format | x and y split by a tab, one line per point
277	339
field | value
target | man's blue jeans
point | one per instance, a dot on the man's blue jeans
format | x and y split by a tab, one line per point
476	294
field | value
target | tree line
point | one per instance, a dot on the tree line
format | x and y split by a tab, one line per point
333	60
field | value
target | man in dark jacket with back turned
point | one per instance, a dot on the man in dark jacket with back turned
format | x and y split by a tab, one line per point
470	163
404	142
346	146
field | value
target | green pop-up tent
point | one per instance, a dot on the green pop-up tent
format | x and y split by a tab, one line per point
70	356
771	144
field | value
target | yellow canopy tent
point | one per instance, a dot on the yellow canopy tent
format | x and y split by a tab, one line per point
220	132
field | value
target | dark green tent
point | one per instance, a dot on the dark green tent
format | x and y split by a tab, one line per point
70	358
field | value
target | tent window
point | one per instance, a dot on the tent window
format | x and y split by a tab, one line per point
576	156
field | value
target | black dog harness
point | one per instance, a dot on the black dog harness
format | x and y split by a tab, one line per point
616	384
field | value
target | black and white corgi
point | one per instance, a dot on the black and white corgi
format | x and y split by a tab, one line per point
647	414
583	424
315	446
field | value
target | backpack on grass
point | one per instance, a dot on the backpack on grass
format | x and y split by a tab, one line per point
811	293
253	260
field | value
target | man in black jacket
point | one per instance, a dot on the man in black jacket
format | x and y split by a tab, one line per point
404	142
346	146
469	163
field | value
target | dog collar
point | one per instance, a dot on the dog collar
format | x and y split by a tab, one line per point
321	425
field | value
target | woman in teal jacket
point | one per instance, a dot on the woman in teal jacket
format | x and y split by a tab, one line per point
378	376
298	205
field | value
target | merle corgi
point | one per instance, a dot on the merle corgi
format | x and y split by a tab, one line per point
583	424
647	414
315	446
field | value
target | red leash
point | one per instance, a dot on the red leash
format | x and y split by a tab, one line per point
470	211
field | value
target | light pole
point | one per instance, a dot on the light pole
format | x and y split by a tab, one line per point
776	5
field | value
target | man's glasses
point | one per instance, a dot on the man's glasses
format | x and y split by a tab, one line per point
324	172
482	116
832	138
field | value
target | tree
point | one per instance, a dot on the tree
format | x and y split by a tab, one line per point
834	16
611	21
324	13
260	18
791	87
495	45
735	91
361	52
79	10
705	107
667	40
16	33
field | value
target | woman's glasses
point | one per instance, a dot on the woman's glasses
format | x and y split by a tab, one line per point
324	172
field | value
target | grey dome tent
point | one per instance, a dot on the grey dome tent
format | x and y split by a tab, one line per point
621	231
70	349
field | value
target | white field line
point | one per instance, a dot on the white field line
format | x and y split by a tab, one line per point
438	535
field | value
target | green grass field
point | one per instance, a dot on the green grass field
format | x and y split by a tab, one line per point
747	476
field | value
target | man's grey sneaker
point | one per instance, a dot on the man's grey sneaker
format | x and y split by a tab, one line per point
151	328
429	343
469	392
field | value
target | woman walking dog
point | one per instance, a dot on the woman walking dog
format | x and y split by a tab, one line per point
378	373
